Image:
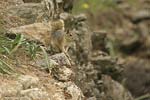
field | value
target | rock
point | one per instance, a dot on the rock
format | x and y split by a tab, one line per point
58	96
131	44
140	16
12	98
114	90
72	92
61	59
40	32
98	40
137	73
62	73
83	43
43	65
68	5
108	65
26	12
35	94
143	29
10	89
25	98
80	18
4	4
92	98
28	81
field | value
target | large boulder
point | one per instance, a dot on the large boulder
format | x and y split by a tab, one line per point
114	90
35	94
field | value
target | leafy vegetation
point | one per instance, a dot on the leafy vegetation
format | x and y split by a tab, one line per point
9	47
32	49
50	64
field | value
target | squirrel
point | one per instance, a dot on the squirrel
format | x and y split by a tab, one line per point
48	33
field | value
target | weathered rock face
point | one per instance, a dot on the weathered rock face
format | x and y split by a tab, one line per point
129	30
61	59
38	86
137	71
114	90
5	4
30	88
108	65
83	41
90	62
93	63
18	13
89	76
71	91
22	89
62	73
24	13
100	37
41	32
140	16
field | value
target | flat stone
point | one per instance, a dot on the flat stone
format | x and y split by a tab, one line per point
35	94
28	81
10	89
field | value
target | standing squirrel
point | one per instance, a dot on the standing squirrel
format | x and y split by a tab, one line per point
50	33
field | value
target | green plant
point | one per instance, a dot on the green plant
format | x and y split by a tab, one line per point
16	43
32	49
4	44
5	68
9	46
50	64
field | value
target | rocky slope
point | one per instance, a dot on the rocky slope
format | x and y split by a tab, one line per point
86	73
126	26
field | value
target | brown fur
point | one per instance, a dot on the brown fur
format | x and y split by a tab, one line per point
51	33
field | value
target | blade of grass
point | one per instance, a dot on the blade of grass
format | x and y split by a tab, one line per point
5	68
46	57
143	97
17	42
6	49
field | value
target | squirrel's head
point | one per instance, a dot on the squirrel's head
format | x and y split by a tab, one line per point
70	36
58	25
